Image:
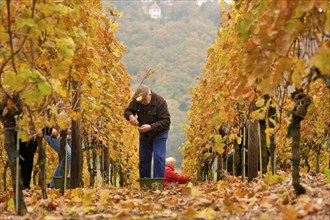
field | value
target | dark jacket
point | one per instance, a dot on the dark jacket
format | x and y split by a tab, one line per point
171	176
156	114
27	150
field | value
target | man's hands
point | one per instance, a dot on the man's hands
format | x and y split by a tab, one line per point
143	128
133	120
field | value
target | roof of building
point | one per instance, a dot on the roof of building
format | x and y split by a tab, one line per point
154	6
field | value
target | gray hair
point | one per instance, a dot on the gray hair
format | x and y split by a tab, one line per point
170	161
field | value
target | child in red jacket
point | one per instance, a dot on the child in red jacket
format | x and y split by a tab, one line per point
171	176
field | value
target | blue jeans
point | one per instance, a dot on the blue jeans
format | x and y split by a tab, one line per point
55	144
157	147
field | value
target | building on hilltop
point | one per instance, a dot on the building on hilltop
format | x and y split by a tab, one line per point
200	2
155	11
146	1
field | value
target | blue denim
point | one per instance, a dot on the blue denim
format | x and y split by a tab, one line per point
55	144
157	147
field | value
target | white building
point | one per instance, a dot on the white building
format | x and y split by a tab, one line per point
200	2
155	11
146	1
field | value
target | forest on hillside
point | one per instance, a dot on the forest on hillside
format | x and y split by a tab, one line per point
173	47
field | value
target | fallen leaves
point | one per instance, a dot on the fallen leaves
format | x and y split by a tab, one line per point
227	199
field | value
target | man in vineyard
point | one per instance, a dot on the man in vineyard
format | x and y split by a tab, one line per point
53	139
149	112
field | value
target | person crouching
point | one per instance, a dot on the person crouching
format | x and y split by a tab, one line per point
171	176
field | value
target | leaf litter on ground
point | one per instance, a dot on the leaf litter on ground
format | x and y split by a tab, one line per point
268	198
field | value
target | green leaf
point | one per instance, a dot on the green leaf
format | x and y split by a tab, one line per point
61	9
44	88
271	179
243	26
66	47
7	77
21	22
327	174
28	74
80	34
66	42
11	203
31	96
218	138
260	103
16	85
66	52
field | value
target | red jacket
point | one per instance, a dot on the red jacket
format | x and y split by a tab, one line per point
171	176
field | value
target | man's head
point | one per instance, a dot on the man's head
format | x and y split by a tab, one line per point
142	94
54	133
171	162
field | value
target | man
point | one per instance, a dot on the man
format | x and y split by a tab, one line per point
54	142
149	112
171	176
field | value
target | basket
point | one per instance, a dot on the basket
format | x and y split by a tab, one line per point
58	182
151	183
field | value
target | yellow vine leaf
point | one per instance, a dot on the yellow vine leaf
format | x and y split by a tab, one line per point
16	85
66	47
149	73
222	184
104	196
321	58
11	203
61	9
222	4
63	120
260	103
87	198
206	213
114	26
74	115
239	140
271	179
58	87
76	199
29	22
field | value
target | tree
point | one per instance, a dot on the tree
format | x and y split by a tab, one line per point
46	46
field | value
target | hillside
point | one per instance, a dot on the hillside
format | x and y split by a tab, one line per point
174	47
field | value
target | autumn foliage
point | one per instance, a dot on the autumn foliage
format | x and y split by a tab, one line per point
46	49
269	54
